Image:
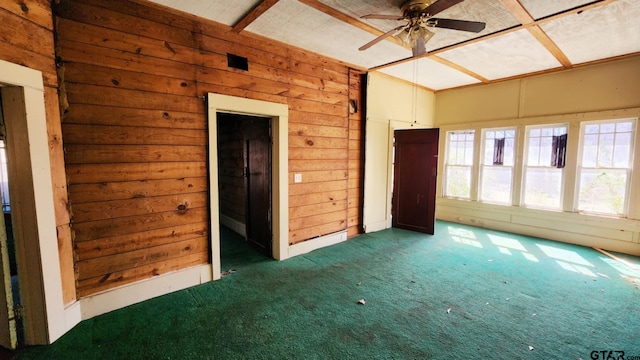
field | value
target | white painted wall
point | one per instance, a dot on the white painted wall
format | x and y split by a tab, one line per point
596	92
391	104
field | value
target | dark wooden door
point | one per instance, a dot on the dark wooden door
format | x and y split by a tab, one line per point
258	183
414	180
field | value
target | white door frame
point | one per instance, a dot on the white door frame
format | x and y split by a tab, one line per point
32	204
279	113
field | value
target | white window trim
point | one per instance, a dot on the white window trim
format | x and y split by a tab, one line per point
525	154
480	164
627	208
472	167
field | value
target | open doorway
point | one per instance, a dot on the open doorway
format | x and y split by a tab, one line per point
245	179
279	116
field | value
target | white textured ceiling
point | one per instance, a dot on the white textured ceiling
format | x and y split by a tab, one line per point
521	36
503	56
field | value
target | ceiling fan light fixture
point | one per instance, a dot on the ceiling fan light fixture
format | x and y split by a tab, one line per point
411	34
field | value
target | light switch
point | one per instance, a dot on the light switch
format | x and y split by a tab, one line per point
297	178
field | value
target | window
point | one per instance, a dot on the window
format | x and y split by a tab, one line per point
604	170
544	166
497	165
458	164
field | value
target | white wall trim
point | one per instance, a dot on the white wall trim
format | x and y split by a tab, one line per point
614	234
233	224
317	243
72	315
133	293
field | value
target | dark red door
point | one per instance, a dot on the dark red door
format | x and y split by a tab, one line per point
414	180
258	183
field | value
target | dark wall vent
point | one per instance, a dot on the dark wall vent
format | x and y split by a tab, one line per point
237	62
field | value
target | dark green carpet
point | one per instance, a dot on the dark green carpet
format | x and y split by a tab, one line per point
505	293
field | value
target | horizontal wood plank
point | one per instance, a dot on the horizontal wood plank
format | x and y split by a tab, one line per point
133	224
112	263
320	176
300	235
107	281
317	209
73	51
92	192
103	154
317	220
311	188
100	95
115	135
35	11
316	165
124	79
26	34
130	242
115	20
104	173
116	209
317	198
89	114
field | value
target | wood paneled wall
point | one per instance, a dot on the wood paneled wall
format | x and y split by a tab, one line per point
27	39
135	134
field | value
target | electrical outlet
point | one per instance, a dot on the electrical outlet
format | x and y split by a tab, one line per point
297	178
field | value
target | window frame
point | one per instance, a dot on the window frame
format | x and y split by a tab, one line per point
525	166
481	165
447	165
626	208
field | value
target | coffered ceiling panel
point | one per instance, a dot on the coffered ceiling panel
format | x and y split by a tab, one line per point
299	25
503	56
543	8
429	73
602	32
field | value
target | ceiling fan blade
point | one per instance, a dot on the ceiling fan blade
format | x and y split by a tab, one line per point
382	17
439	6
380	38
463	25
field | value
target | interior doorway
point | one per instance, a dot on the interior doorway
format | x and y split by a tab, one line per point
279	115
245	177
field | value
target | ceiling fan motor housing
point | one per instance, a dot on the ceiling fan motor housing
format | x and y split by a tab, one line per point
414	8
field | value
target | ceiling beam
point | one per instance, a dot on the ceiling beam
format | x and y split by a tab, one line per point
522	15
458	67
255	13
316	4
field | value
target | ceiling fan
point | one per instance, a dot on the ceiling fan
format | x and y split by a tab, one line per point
418	17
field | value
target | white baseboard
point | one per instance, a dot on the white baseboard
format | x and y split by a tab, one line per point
376	226
233	224
72	317
317	243
130	294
